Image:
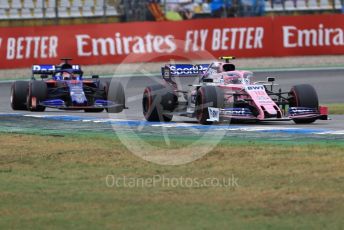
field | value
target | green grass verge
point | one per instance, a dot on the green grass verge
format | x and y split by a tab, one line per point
59	182
336	108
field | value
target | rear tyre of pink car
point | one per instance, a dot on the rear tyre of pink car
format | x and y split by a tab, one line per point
158	102
303	96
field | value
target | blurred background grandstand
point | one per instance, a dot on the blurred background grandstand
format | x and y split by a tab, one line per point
86	11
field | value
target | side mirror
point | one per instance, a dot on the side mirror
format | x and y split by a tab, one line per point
270	79
165	73
95	76
44	76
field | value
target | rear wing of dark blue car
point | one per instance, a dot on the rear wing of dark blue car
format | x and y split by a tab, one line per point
43	69
183	70
51	69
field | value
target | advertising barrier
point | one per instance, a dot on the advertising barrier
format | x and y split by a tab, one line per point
162	41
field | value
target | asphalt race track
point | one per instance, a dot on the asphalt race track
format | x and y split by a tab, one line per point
328	83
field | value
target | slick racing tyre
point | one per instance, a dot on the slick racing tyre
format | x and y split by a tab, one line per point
115	93
94	110
18	95
158	102
303	96
37	92
208	96
102	88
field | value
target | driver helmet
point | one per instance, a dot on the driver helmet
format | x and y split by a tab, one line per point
67	75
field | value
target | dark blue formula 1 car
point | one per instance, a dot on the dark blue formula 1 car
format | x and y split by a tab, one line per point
63	87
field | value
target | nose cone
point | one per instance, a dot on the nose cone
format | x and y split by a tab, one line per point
77	94
79	99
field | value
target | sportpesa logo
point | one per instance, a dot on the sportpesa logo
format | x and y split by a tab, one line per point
187	69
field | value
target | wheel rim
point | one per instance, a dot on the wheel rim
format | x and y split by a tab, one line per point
199	107
293	101
11	98
33	102
146	102
28	102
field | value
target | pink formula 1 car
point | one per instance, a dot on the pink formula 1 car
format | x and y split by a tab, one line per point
224	93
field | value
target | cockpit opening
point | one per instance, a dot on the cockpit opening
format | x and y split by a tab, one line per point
228	67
